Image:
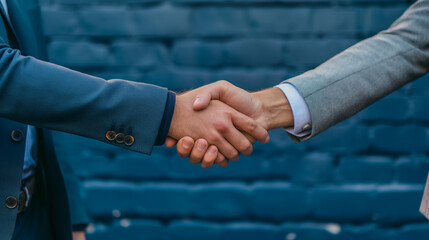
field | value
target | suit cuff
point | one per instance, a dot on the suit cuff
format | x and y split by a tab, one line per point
300	110
166	118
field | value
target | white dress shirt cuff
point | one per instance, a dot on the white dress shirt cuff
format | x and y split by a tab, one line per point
300	111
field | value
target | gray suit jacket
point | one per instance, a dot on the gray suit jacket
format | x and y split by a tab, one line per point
368	71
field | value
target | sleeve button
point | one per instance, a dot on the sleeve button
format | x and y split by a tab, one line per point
17	135
110	135
129	140
120	137
306	127
11	202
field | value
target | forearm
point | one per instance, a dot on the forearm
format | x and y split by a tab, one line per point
50	96
276	109
368	71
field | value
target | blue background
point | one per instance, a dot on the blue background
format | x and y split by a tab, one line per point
362	179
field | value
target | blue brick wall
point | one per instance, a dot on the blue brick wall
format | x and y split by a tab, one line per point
362	179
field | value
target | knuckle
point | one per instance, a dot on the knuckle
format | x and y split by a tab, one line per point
221	126
222	82
252	125
245	146
212	136
233	155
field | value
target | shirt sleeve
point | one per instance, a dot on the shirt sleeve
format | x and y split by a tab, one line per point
300	110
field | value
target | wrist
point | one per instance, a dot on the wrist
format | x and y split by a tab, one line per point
276	108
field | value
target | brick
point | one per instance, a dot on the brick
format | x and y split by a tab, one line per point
420	86
138	167
193	230
412	169
309	231
139	54
335	20
367	232
394	107
346	203
398	139
106	21
398	204
280	20
344	138
311	53
254	52
313	168
280	144
106	199
197	1
79	53
57	21
178	79
365	169
127	229
165	21
413	231
198	53
221	201
252	79
82	2
376	19
278	201
251	231
219	22
251	167
420	111
164	200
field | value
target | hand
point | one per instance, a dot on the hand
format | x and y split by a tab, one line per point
269	108
219	124
79	235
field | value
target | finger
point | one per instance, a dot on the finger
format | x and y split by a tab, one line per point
250	138
170	142
202	101
238	141
210	157
225	147
198	151
250	126
214	91
184	146
221	160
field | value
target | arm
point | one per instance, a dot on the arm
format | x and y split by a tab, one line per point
367	71
91	107
50	96
357	77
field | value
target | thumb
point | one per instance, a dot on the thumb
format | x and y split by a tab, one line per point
202	101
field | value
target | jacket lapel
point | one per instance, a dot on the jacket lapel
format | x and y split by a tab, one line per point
25	17
13	40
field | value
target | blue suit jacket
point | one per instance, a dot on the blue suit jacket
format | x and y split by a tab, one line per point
45	95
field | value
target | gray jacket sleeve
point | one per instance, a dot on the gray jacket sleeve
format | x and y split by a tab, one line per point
367	71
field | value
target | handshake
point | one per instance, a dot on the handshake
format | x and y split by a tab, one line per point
218	122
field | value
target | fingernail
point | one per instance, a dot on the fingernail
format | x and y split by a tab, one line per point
197	100
267	139
201	146
212	150
186	145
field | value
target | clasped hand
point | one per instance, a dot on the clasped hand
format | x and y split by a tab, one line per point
218	122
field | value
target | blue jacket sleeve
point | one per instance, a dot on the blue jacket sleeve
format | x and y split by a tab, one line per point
50	96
